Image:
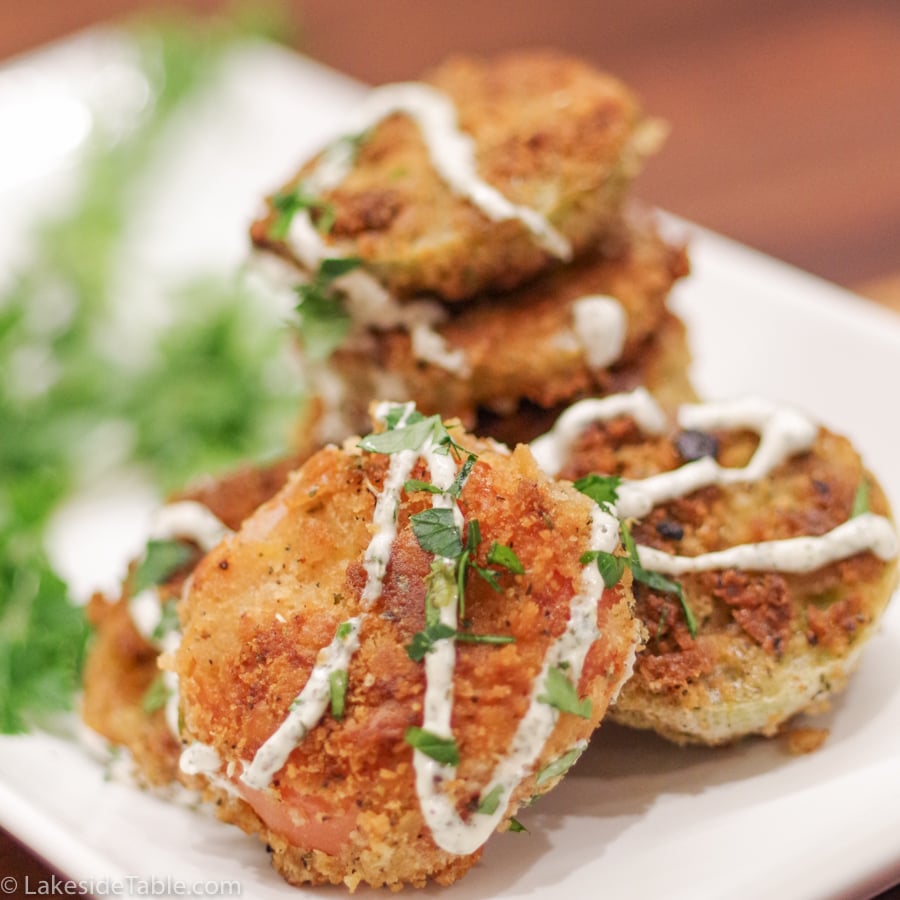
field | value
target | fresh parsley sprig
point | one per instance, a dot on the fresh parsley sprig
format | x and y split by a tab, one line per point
441	749
861	499
324	322
162	559
560	693
655	580
287	203
603	490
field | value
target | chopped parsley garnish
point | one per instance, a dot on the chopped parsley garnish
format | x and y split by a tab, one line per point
559	766
412	435
337	689
423	641
344	630
443	750
860	499
168	620
602	489
437	532
490	801
655	580
162	559
611	567
288	203
324	323
156	695
516	826
501	555
560	693
415	485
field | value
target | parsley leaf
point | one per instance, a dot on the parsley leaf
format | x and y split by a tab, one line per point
611	567
603	490
443	750
490	801
559	766
411	436
860	499
168	620
288	203
156	696
337	689
561	694
501	555
415	485
423	641
516	826
655	580
162	559
324	323
437	532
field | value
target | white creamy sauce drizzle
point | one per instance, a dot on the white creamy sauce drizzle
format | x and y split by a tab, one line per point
185	520
551	450
452	153
449	829
189	521
601	325
306	710
370	305
783	433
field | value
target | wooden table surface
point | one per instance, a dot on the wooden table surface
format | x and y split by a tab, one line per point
785	116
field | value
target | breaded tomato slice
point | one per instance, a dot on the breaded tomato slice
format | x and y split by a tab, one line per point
396	651
124	696
598	326
477	178
766	557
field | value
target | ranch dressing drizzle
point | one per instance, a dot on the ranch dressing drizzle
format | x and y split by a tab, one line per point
370	305
189	521
306	710
452	153
783	433
798	555
449	830
601	326
310	704
551	450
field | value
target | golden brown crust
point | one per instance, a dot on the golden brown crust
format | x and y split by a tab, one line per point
550	132
522	350
122	665
769	644
344	808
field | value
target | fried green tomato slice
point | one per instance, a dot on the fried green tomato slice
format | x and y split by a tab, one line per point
395	652
124	698
778	623
596	327
478	178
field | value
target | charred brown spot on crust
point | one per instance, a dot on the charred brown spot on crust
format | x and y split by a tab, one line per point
364	211
760	604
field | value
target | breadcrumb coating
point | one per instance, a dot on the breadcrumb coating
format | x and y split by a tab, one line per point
769	644
344	808
550	133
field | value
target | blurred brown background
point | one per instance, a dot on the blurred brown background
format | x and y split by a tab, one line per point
785	116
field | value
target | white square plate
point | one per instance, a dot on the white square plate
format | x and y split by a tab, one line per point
637	817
